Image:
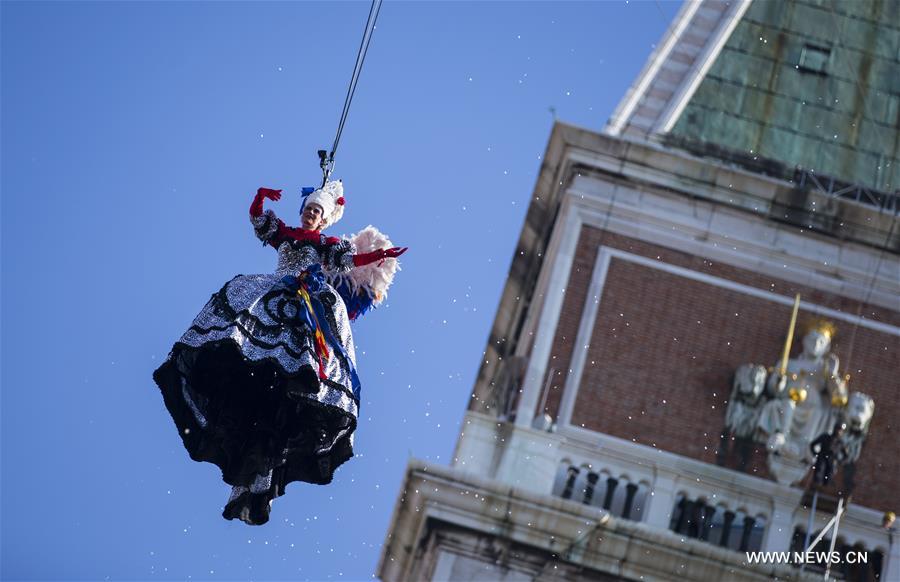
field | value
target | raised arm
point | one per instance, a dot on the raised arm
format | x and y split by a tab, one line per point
265	224
256	208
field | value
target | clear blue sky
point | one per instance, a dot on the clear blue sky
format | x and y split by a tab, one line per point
133	138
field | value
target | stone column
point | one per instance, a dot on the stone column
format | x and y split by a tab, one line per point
780	528
530	460
558	261
661	500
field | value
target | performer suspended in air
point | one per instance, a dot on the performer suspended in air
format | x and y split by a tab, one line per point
264	382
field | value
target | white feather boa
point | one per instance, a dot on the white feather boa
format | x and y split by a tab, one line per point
374	278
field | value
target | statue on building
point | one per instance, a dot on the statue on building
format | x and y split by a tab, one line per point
794	407
741	416
856	418
808	395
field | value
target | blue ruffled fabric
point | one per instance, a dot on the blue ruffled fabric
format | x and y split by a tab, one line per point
358	303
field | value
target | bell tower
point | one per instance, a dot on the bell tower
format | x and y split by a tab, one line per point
622	422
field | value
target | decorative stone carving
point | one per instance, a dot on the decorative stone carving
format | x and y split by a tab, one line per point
746	400
857	416
798	405
856	419
741	416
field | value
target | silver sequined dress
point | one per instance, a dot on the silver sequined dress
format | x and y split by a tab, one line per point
245	385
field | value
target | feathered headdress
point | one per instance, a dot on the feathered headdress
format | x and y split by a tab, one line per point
330	197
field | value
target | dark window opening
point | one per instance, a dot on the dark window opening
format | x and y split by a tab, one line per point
814	59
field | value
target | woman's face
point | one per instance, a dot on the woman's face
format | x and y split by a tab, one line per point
312	217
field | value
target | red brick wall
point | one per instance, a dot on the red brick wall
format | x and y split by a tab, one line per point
664	349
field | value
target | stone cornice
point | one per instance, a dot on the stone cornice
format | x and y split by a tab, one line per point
569	533
626	160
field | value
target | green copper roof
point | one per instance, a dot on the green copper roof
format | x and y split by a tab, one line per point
808	83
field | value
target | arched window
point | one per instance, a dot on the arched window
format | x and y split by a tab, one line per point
617	495
562	475
617	500
678	513
697	517
736	531
581	483
600	489
717	525
756	533
635	498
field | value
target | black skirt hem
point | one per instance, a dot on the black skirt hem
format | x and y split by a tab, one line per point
251	417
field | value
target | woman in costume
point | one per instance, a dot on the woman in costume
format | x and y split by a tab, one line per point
264	383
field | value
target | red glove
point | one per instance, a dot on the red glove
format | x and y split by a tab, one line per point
256	209
269	193
379	255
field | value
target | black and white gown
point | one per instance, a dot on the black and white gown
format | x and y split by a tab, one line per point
251	388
